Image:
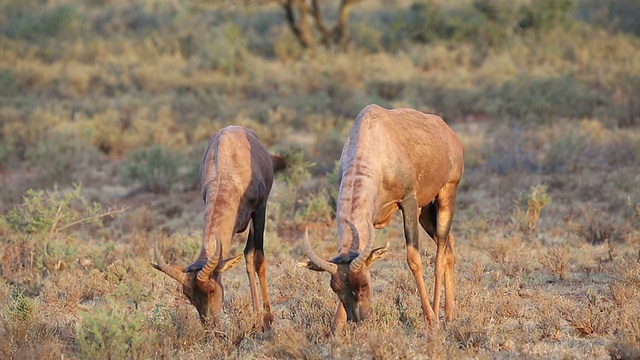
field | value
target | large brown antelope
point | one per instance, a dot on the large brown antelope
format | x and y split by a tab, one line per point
236	175
393	159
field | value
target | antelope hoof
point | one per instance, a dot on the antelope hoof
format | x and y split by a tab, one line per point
267	321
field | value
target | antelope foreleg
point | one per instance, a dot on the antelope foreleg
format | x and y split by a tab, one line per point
415	265
409	208
449	300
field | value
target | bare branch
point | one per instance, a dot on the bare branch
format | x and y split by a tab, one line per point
300	27
109	212
324	30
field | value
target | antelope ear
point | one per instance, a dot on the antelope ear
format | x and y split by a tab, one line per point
309	265
230	263
376	254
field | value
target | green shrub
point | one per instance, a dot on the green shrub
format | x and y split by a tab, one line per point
225	50
113	331
483	23
366	36
8	83
626	101
37	231
154	169
50	212
33	24
544	15
319	207
541	100
22	308
613	15
59	158
425	22
297	172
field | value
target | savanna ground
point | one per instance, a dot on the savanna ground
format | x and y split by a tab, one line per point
106	107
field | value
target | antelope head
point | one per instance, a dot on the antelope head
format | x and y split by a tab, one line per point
350	275
202	287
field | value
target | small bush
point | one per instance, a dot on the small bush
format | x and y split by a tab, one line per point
45	212
596	317
540	100
113	331
626	102
224	50
596	229
612	15
8	83
154	169
36	231
511	149
32	24
529	207
544	15
59	158
297	172
556	259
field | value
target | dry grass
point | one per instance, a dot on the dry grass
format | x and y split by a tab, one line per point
553	295
84	85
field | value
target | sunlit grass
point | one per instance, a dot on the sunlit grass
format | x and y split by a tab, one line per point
80	96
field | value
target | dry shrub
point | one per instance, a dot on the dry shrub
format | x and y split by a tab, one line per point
291	343
28	330
510	255
118	132
472	327
595	317
556	260
597	229
624	351
511	149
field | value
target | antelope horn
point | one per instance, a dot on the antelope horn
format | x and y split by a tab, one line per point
323	264
173	271
355	237
357	263
212	264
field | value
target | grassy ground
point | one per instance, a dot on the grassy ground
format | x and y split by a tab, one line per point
120	98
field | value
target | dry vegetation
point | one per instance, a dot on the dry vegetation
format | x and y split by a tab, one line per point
106	106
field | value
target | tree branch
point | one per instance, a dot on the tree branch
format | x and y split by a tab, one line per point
324	30
300	28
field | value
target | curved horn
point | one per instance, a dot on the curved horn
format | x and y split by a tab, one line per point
212	264
355	237
173	271
356	264
323	264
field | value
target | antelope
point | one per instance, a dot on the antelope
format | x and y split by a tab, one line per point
236	175
393	159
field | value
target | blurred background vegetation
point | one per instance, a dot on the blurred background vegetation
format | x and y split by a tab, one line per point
107	106
83	82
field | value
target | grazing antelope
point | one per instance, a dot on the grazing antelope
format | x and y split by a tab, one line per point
393	159
236	175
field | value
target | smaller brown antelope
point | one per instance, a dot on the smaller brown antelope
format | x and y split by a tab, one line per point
236	175
393	159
